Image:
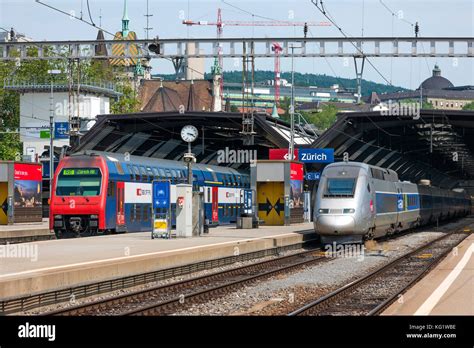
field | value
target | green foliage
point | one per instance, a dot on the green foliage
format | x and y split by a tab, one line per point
128	103
469	106
37	70
10	144
323	119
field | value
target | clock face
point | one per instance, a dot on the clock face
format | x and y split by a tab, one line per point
189	133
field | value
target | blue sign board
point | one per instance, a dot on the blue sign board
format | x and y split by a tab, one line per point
161	194
313	176
248	201
316	155
61	130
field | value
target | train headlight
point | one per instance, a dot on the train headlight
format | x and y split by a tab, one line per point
348	211
323	211
94	216
59	217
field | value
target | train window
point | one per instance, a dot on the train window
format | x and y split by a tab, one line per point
156	174
208	195
133	216
173	174
139	213
119	167
377	173
111	189
144	174
150	172
130	172
239	180
137	173
231	179
162	173
340	187
145	213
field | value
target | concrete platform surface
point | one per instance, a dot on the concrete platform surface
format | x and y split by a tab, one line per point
12	233
55	264
447	290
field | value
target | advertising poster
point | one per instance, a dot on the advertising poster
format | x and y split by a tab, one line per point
27	192
296	183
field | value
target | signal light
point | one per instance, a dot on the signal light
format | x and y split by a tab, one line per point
154	47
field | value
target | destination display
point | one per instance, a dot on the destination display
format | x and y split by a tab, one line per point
80	171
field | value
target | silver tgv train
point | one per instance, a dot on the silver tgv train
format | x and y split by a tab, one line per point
356	201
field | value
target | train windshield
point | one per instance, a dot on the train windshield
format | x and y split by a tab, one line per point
79	182
340	187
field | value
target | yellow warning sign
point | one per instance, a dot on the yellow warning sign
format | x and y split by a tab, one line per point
3	203
271	203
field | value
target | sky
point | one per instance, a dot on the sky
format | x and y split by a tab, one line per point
437	18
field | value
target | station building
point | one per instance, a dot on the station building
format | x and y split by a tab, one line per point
437	90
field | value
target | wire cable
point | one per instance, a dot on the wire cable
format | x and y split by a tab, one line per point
323	10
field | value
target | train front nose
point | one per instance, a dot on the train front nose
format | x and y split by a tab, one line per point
334	224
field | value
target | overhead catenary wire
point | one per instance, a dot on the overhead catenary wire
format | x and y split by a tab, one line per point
90	16
413	25
323	10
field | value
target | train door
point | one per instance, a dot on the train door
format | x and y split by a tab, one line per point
215	205
271	203
120	204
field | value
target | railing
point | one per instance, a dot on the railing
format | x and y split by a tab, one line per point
58	84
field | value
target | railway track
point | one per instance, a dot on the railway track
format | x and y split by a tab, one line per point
371	294
39	300
166	299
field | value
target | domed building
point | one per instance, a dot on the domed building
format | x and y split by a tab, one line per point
436	90
436	82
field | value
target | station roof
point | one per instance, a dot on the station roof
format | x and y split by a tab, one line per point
423	148
157	135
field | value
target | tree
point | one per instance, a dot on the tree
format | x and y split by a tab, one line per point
469	106
324	118
127	103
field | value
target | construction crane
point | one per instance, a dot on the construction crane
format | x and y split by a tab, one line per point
220	26
277	49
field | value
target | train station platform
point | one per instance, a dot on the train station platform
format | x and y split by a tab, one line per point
448	289
24	232
60	264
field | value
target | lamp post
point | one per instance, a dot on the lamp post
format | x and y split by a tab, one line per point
51	133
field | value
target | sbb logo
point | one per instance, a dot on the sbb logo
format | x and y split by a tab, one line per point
142	192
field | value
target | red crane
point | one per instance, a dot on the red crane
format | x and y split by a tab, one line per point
277	49
220	26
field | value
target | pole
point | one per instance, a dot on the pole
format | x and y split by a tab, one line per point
190	167
51	141
292	105
51	132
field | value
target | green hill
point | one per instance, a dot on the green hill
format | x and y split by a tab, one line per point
306	80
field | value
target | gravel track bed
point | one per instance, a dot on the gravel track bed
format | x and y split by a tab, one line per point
364	298
75	302
285	293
